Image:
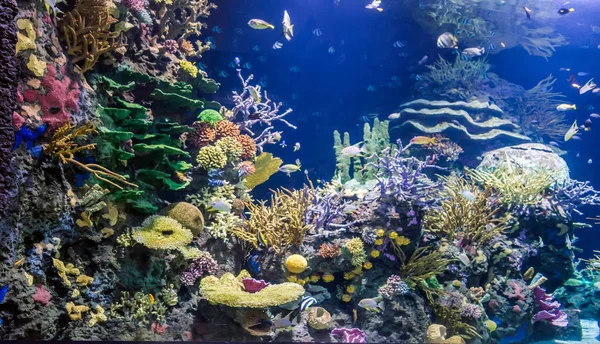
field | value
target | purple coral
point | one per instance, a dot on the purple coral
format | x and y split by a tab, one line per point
205	263
549	309
171	46
453	300
252	285
394	286
352	335
134	5
469	310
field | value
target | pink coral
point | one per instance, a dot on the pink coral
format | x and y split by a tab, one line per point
18	120
41	295
171	46
159	329
134	5
252	285
352	335
517	292
60	99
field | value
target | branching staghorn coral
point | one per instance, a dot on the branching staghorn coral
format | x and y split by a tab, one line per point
253	108
64	146
572	194
593	264
86	32
281	224
180	19
423	264
472	220
541	41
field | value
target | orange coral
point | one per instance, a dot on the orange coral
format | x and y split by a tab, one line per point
329	250
187	47
202	136
249	146
226	128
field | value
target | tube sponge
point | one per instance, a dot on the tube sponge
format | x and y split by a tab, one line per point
162	233
211	157
228	290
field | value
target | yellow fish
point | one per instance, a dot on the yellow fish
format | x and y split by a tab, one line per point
151	297
422	140
572	131
260	24
565	107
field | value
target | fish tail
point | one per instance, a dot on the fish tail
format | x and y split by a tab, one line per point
271	26
574	106
380	9
571	9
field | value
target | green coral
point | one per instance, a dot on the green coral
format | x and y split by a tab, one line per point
138	309
223	223
232	148
210	116
228	290
211	157
189	68
161	233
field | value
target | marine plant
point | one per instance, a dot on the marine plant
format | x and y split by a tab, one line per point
422	264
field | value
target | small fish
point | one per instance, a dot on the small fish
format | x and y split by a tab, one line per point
594	115
590	85
151	298
394	115
565	10
294	69
317	32
578	155
590	161
283	144
363	119
216	182
571	132
371	88
576	86
527	12
288	27
589	107
583	73
403	54
254	93
566	107
423	60
331	50
238	30
256	48
398	44
237	61
217	29
277	45
262	59
423	140
223	74
571	78
470	52
260	24
596	90
372	305
306	302
447	41
262	239
254	263
492	46
349	209
247	65
468	195
290	168
297	147
279	323
553	143
220	205
563	69
375	6
352	151
587	124
502	45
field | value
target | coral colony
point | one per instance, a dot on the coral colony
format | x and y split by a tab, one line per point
127	209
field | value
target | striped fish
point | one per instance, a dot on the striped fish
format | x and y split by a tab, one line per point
307	301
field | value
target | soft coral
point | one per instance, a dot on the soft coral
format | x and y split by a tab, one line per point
60	99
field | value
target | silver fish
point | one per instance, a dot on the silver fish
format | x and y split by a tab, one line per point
590	85
288	27
447	41
470	52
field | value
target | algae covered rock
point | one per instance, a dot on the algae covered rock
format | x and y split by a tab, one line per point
187	214
529	157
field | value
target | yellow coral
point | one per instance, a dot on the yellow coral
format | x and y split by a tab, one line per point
301	282
97	317
27	41
228	291
355	247
393	235
296	263
265	166
350	289
314	278
402	240
367	265
189	68
107	232
328	278
162	233
36	66
232	148
29	278
375	253
211	157
346	298
64	270
292	278
84	280
76	312
379	242
380	232
75	294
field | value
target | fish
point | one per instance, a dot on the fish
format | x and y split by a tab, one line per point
262	239
590	85
247	65
594	115
447	41
571	132
502	45
587	124
260	24
371	88
237	61
254	93
280	323
217	29
470	52
262	58
317	32
422	140
288	27
394	115
294	69
583	73
297	147
307	301
151	298
3	292
223	74
277	45
423	60
596	90
364	119
564	69
331	50
403	54
572	78
216	182
374	5
589	107
553	143
238	30
468	195
352	151
492	46
290	168
372	305
253	263
283	144
349	209
398	44
317	114
566	107
576	86
256	48
590	161
527	12
220	205
564	11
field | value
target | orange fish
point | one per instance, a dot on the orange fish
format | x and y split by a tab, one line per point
422	140
151	297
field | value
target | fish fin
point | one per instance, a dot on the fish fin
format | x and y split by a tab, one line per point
288	174
571	9
574	107
292	30
271	26
380	9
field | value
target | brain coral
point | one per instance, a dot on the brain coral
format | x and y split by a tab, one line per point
231	147
226	128
211	157
249	147
203	135
296	263
161	233
187	214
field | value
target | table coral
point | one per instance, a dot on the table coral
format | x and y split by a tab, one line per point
161	233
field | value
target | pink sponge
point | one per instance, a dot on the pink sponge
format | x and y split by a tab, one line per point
60	99
41	295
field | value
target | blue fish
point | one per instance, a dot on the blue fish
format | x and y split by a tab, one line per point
3	292
492	46
213	173
25	134
247	65
253	263
217	29
493	34
256	48
306	302
216	182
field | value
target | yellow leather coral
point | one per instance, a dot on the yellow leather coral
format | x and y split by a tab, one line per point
162	233
296	263
211	157
189	68
76	312
228	290
328	278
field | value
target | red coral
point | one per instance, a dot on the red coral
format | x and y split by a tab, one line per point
60	99
202	136
18	120
226	128
249	146
41	295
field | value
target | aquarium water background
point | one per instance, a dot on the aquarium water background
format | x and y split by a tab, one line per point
402	171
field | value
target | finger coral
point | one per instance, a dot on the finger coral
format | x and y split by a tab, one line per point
225	128
211	157
228	291
231	147
161	233
202	135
